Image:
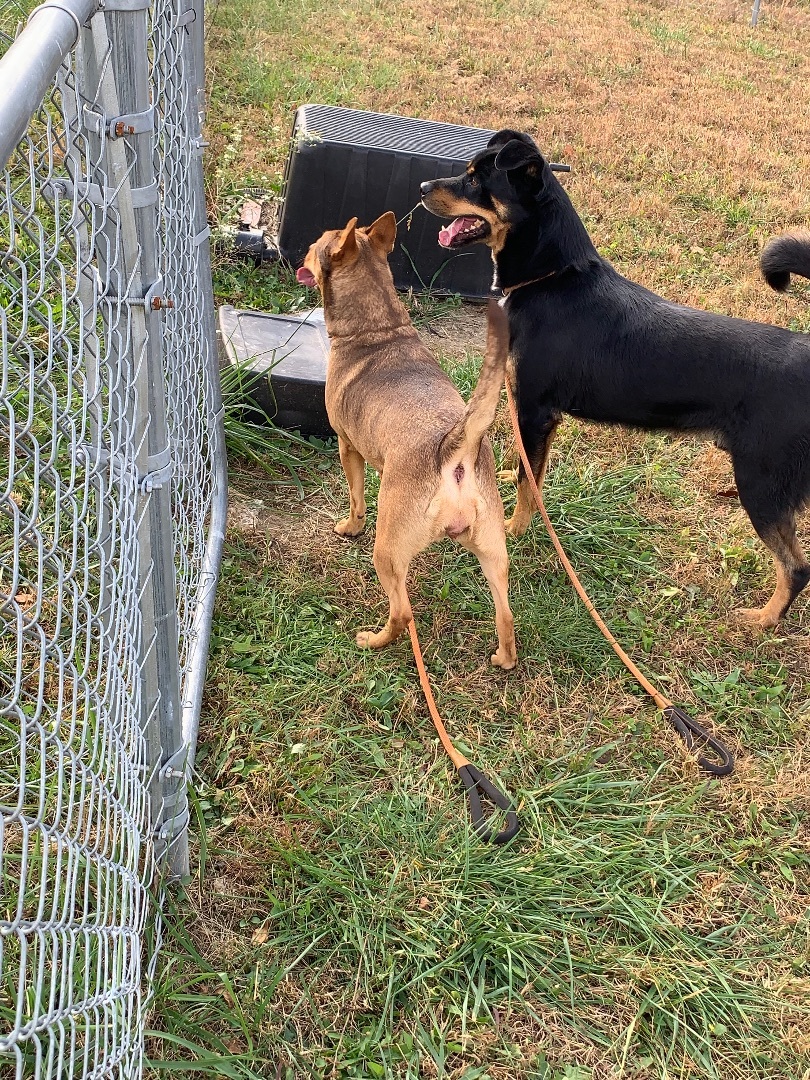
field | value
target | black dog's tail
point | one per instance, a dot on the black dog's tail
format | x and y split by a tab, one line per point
786	255
465	436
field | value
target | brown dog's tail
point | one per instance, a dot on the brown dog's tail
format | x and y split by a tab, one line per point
464	438
786	255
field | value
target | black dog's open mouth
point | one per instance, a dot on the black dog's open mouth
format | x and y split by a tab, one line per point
463	230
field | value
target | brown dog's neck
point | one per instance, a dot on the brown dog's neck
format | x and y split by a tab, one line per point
360	304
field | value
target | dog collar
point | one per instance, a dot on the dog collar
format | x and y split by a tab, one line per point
521	285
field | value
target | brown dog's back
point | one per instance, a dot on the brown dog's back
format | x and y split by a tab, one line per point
400	410
388	397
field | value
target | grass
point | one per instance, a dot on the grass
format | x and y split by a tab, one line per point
646	923
437	955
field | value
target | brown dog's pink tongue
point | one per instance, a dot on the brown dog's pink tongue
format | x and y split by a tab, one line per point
453	229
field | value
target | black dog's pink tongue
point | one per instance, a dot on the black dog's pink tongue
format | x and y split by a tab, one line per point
446	236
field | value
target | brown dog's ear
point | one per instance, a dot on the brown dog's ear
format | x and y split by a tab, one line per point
383	233
345	247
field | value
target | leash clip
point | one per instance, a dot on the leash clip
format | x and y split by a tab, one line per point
473	780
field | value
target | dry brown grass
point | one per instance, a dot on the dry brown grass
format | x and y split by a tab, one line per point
687	131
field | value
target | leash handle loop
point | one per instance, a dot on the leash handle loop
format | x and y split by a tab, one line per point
688	728
472	777
473	780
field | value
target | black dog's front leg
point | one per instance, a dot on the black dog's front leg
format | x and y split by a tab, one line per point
538	435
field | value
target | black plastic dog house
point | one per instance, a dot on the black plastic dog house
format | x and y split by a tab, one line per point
345	163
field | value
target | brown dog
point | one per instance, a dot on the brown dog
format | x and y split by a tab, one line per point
393	406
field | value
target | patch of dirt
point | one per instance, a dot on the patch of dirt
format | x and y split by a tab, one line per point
458	332
253	517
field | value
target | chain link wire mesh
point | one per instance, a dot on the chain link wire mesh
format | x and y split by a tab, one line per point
112	489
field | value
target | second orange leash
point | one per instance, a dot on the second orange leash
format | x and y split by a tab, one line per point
683	723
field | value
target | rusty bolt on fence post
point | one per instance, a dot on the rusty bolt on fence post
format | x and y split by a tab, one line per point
158	303
123	129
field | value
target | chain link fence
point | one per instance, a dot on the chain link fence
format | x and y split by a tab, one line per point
112	512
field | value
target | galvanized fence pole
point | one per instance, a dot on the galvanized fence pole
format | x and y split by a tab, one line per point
115	78
28	73
209	573
116	71
130	61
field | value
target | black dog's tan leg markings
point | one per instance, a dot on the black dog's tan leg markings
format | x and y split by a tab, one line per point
792	574
524	504
354	468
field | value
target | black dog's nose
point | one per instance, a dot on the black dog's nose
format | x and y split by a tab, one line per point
427	187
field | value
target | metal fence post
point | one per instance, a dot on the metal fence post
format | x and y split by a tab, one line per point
130	60
193	688
24	83
125	130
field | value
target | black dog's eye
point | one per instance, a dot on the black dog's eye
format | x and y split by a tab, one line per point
472	180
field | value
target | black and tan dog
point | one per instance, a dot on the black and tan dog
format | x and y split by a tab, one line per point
588	342
393	406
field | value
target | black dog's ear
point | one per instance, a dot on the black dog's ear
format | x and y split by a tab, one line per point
507	135
517	153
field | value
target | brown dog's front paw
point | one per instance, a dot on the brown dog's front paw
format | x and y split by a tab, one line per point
757	618
349	527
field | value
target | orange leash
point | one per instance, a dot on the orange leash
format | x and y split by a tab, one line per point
476	783
686	727
457	758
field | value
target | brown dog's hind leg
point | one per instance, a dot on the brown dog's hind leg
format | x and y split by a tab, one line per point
400	537
792	574
525	507
392	570
489	546
354	469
